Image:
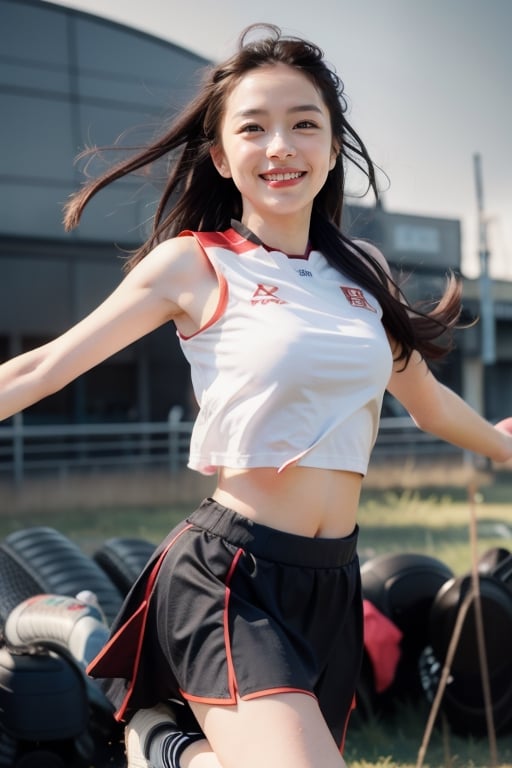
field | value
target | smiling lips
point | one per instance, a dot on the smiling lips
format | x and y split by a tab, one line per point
282	175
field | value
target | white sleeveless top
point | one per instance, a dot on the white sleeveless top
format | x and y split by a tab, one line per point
291	368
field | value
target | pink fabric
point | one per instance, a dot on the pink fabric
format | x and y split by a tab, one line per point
382	642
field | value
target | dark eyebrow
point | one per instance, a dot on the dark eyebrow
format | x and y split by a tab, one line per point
299	108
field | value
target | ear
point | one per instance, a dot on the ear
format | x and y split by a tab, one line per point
219	160
335	151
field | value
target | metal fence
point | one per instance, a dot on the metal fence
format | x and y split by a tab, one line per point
25	450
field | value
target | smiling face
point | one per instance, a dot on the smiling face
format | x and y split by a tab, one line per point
276	144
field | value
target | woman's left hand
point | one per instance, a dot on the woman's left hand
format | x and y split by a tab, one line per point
505	425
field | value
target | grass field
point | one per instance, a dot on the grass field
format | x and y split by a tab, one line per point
437	523
432	521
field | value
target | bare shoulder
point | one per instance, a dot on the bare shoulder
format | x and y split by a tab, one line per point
178	271
179	262
178	254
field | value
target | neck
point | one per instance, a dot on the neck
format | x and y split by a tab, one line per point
289	235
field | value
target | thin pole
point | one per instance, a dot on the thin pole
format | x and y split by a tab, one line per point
486	298
480	634
473	594
445	674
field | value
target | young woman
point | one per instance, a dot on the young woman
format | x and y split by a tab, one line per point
248	619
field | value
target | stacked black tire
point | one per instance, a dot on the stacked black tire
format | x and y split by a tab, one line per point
423	598
51	715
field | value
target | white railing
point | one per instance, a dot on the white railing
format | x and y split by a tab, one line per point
28	449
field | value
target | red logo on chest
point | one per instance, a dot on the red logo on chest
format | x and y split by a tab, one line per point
356	298
266	294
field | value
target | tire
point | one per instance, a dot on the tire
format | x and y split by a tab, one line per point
463	700
123	560
403	586
59	567
16	585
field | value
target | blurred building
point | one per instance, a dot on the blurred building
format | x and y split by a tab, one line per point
68	80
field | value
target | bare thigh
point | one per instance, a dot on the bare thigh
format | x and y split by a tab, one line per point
284	730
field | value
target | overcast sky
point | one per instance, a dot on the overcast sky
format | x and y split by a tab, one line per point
429	85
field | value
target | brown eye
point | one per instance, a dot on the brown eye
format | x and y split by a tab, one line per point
306	124
252	128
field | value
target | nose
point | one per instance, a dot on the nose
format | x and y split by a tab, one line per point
280	145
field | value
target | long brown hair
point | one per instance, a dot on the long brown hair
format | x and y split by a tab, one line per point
197	198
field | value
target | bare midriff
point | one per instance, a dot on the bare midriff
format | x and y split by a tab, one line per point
302	500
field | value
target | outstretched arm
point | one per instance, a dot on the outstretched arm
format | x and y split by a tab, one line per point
437	409
150	295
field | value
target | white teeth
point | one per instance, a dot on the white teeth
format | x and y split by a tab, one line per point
281	176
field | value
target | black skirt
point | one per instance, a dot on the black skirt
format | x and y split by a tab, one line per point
227	607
